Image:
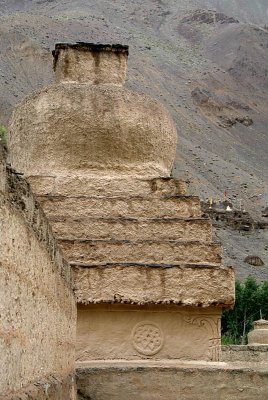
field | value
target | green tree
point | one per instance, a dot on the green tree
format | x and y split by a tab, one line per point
250	306
263	293
251	303
232	319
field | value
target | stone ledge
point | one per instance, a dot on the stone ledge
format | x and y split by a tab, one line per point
89	219
120	206
187	285
132	229
149	265
97	185
164	364
146	252
55	198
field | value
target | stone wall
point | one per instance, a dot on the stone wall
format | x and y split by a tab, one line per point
37	306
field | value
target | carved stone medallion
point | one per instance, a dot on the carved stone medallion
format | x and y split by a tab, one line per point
147	338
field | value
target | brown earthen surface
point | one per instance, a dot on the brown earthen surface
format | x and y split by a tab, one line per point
96	64
245	354
188	285
160	332
121	206
170	380
105	185
99	252
44	388
99	157
87	121
259	335
37	307
90	228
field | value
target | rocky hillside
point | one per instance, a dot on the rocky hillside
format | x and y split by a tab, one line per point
206	60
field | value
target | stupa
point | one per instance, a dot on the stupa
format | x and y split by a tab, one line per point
149	280
259	335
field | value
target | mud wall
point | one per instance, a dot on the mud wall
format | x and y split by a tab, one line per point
246	353
37	306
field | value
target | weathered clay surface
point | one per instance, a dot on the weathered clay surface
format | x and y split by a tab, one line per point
246	353
50	387
259	335
171	380
135	228
150	284
89	63
159	332
91	124
100	157
37	307
98	185
120	206
167	252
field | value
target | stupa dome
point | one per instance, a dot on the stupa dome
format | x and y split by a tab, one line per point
87	122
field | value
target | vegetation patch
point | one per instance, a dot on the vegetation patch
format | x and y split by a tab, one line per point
3	132
251	304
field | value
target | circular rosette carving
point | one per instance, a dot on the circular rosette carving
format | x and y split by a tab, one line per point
147	338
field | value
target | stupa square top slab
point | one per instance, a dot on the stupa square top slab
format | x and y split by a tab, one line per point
89	62
87	46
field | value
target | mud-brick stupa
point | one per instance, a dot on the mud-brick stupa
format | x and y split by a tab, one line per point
148	279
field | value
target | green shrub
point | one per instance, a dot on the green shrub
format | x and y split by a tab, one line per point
3	132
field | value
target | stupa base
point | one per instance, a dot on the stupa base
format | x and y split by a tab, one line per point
170	380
